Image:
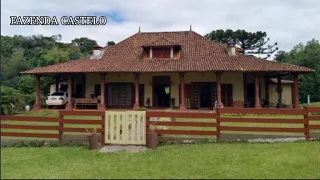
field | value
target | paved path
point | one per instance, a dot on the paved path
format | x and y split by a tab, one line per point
117	148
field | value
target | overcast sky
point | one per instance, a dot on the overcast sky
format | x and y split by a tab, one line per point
287	22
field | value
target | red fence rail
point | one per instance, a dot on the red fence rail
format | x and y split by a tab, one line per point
30	127
221	117
202	115
61	121
312	118
309	115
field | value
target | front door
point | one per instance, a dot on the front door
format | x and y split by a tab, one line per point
161	91
205	96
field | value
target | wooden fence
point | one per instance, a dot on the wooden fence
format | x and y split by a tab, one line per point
308	121
196	115
229	115
59	125
63	121
46	120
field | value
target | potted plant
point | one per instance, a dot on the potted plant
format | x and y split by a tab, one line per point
173	101
148	102
92	138
152	137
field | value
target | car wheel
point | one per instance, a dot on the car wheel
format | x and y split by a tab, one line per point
49	107
63	106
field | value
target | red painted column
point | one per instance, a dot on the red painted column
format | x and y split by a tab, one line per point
102	106
257	98
136	83
57	83
37	105
218	80
279	90
266	80
245	91
182	90
69	104
292	95
296	91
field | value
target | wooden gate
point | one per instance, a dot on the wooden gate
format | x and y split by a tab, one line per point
127	127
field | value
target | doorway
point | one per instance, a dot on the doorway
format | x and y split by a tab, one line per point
161	91
205	95
252	94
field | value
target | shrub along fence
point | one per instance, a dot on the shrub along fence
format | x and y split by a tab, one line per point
70	121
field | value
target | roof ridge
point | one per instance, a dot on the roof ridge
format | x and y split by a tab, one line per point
162	32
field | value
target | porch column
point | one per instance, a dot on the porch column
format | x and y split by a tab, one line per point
37	105
57	83
292	96
279	91
218	80
266	80
257	98
182	98
296	91
136	83
69	104
245	91
102	106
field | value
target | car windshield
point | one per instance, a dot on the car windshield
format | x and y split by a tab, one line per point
58	94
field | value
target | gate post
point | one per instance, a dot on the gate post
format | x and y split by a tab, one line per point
103	141
306	124
218	125
60	127
147	127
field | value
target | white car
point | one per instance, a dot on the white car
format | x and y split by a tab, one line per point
57	99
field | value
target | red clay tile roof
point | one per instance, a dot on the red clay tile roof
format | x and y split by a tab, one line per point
197	54
160	42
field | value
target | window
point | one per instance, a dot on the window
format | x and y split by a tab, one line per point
58	94
161	52
64	87
120	95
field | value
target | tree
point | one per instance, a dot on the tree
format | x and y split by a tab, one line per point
110	43
20	53
11	100
250	42
85	44
308	56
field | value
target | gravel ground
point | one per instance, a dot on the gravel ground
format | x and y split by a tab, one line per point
115	148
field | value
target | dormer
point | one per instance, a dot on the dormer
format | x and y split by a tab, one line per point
161	49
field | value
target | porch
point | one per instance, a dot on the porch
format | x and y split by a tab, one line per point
158	91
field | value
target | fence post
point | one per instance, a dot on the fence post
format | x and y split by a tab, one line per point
218	125
306	124
147	127
60	127
103	141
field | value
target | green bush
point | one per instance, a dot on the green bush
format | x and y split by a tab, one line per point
12	100
36	144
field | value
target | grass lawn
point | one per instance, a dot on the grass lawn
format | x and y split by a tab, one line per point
218	160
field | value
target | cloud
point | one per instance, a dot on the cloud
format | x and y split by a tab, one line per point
286	22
